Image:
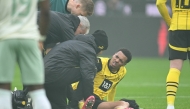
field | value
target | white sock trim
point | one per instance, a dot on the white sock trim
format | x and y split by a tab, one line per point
4	92
37	93
39	99
5	99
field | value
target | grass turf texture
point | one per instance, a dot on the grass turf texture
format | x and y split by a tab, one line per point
145	82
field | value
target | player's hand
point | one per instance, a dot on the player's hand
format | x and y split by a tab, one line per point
41	45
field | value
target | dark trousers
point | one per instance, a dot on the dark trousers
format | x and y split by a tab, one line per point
56	90
76	96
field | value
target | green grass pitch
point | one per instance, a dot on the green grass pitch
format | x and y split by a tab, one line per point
145	82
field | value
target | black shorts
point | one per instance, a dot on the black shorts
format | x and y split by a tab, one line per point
97	102
179	44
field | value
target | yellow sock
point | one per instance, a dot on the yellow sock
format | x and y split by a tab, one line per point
81	103
172	82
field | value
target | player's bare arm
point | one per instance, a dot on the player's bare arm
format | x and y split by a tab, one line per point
44	21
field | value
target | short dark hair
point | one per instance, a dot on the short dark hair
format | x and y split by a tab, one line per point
127	53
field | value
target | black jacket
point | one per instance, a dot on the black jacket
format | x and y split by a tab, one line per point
79	52
62	27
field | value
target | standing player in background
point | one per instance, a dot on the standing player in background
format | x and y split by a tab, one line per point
76	7
62	27
19	36
179	42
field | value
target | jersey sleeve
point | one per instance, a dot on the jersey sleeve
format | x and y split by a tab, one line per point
161	5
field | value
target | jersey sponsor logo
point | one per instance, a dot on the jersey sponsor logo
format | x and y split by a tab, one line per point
106	85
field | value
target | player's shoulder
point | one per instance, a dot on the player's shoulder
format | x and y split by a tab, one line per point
123	70
103	59
101	62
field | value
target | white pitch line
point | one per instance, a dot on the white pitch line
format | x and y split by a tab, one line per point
150	97
148	84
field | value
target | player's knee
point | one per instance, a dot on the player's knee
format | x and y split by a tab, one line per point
176	63
124	104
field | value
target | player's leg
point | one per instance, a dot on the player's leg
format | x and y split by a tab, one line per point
62	79
57	95
189	49
177	54
32	70
100	104
7	66
69	93
77	95
113	105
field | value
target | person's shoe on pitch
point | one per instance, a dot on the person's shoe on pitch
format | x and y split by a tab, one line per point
89	102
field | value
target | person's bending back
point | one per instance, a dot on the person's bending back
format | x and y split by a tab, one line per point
71	61
64	27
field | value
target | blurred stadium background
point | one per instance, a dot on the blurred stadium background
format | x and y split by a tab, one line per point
138	26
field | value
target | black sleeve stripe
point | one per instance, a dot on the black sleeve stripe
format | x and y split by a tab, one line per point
99	64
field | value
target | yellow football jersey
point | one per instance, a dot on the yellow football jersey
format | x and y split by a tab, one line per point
180	19
105	81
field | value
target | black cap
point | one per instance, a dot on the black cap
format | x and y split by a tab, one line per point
101	39
75	21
